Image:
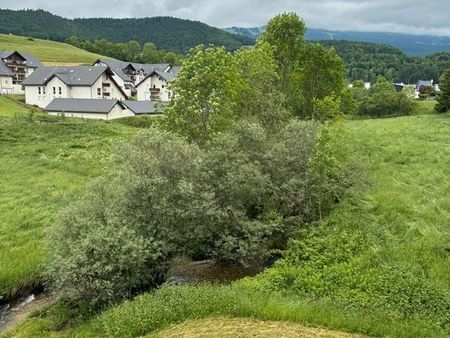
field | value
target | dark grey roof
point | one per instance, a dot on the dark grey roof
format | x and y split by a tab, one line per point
168	76
100	106
32	61
145	107
4	70
117	67
71	76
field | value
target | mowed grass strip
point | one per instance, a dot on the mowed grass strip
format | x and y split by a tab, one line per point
244	327
51	52
43	163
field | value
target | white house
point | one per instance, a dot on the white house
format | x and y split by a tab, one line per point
129	74
102	109
154	87
48	83
14	68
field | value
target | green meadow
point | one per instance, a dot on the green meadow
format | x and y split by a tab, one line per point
47	51
377	266
43	163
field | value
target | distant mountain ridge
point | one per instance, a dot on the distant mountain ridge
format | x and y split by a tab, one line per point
171	34
413	45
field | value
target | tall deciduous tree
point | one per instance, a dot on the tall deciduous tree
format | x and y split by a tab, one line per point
285	33
320	72
443	104
206	95
260	97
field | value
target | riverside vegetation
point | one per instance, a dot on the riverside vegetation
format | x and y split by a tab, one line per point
284	177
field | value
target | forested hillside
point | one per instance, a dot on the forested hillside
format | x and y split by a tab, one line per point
412	45
167	33
367	61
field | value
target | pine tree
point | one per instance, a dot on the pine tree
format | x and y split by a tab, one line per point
443	101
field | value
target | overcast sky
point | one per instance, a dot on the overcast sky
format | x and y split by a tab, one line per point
407	16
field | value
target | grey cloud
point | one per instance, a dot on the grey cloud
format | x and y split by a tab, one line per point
407	16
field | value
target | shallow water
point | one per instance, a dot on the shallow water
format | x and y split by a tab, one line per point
15	312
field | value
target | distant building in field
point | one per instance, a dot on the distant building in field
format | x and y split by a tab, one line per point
15	67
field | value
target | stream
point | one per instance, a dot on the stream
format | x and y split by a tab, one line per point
13	313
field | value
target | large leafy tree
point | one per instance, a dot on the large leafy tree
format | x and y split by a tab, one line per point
443	101
319	73
206	95
285	33
260	97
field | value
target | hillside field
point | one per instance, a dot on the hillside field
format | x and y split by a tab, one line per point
49	52
378	265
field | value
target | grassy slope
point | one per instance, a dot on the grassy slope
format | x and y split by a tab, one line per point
239	327
378	265
48	51
42	162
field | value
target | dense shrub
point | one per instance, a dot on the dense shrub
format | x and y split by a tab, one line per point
234	201
443	100
383	100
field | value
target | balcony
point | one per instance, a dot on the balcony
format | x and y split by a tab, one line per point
155	90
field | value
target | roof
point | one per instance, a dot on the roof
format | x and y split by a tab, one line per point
99	106
32	61
5	71
117	67
168	76
144	107
71	76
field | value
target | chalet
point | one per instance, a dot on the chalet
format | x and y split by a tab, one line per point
154	87
15	67
102	109
127	74
81	82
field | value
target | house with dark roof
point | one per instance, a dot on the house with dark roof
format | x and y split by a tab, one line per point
81	82
15	67
154	86
128	74
102	109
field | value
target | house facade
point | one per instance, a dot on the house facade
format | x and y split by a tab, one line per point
15	67
129	74
49	83
154	87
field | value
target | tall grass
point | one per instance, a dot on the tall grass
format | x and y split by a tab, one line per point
378	265
43	163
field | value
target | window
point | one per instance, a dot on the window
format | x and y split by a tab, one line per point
60	91
162	86
54	90
99	91
170	94
39	90
43	90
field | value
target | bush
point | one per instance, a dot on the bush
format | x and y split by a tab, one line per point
383	100
234	202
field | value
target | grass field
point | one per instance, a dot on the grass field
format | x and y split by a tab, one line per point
43	161
49	52
378	265
239	327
